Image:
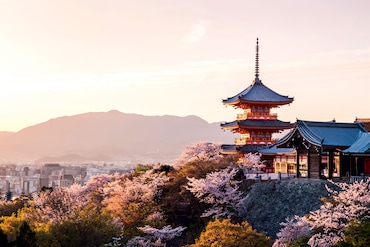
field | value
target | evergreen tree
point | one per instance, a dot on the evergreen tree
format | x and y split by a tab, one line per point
25	236
3	239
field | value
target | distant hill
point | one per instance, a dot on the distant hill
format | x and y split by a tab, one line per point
109	136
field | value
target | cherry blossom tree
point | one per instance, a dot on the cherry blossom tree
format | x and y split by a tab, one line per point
143	188
293	229
251	161
60	204
131	200
351	204
220	189
200	151
155	237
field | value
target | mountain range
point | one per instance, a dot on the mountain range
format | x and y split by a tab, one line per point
108	136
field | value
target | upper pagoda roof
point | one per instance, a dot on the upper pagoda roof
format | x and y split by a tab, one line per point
257	92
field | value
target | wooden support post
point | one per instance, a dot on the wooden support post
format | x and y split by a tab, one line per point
331	164
297	163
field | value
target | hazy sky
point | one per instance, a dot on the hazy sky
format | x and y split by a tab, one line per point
181	58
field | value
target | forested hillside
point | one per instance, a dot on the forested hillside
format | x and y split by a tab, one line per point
204	199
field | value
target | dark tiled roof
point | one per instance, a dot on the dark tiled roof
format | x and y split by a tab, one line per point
365	121
258	93
360	146
326	133
254	123
248	148
230	148
273	150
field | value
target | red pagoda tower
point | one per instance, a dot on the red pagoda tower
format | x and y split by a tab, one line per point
256	124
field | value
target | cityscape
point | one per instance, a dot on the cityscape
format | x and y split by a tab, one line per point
29	179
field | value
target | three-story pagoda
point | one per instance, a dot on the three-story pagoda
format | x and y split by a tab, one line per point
256	124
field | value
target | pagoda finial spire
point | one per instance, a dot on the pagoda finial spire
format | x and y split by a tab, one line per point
257	61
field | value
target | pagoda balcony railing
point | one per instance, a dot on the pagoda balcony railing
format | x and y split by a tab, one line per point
243	141
242	116
261	115
256	115
240	141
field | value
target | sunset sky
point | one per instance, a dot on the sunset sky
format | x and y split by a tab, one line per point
172	57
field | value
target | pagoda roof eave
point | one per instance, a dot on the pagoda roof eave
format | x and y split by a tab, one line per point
250	148
228	149
236	129
256	124
265	102
228	152
257	92
239	102
231	103
240	149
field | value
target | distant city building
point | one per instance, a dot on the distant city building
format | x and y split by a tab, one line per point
43	182
66	180
50	168
16	180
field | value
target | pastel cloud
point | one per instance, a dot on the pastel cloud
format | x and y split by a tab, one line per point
197	31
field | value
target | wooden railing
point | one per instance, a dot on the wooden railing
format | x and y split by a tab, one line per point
240	141
256	115
262	115
358	178
241	116
243	141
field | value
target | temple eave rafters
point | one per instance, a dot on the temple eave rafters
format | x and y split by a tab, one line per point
233	103
251	103
266	103
284	100
243	129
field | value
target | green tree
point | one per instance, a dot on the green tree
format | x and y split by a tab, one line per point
180	206
3	239
227	234
87	228
356	235
25	236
